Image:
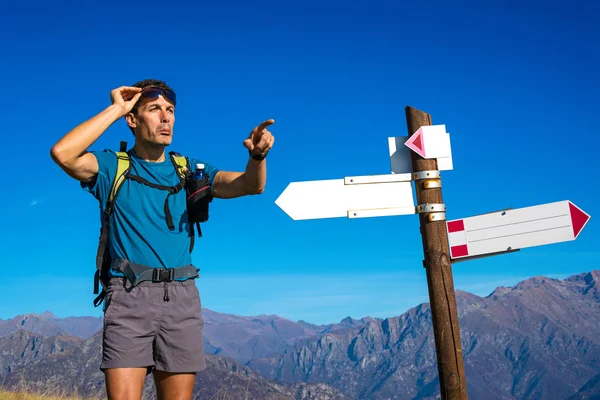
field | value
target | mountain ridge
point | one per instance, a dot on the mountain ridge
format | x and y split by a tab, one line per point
587	278
539	338
539	324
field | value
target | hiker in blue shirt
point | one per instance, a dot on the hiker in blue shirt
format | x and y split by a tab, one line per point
147	198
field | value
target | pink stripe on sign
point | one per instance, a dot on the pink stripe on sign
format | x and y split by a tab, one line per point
456	226
459	251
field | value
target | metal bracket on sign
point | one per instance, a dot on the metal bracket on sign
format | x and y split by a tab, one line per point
432	183
439	216
433	174
367	179
381	212
503	211
427	208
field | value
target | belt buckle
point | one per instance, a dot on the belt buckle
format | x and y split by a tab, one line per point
159	275
156	275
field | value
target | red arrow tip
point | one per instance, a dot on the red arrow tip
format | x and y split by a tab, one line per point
578	217
415	143
419	142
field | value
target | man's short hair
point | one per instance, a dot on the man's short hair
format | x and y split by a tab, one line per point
144	84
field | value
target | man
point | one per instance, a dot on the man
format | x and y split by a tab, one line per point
151	326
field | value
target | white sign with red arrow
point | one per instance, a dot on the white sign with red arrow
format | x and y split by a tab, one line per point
429	142
509	230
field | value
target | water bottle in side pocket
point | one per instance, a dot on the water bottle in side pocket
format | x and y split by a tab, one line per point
198	195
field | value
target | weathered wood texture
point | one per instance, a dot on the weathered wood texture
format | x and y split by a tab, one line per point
440	283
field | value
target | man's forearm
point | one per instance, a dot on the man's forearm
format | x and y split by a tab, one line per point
256	176
79	139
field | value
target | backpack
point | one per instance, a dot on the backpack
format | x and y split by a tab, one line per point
198	196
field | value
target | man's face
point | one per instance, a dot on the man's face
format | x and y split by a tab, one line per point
154	121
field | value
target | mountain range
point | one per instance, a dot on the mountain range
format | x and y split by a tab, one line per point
539	339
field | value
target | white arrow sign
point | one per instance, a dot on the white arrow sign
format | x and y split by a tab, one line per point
352	197
515	229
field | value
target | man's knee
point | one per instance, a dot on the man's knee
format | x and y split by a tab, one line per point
174	386
125	383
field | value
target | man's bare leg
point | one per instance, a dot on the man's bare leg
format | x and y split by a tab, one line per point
125	383
174	386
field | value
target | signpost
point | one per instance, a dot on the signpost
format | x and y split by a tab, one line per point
510	230
438	267
420	157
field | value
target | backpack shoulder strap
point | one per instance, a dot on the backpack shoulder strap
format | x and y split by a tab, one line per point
123	167
181	164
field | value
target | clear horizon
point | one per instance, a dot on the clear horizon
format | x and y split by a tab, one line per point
474	288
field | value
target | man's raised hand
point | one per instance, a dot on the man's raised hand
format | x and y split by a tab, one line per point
125	97
260	140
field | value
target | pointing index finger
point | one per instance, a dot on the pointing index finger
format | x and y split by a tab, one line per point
264	124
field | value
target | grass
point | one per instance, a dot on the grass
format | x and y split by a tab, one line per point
6	395
42	390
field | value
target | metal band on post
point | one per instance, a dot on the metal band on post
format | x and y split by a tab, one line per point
437	212
431	208
439	216
431	174
432	183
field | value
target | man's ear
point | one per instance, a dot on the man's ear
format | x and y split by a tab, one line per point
131	120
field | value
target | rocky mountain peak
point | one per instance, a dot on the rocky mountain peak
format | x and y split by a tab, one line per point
48	315
593	276
500	291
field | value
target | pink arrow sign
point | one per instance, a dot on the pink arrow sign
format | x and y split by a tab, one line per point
508	230
415	143
431	141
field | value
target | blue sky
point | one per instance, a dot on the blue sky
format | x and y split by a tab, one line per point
516	85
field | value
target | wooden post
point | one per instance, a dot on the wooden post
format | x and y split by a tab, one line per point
438	267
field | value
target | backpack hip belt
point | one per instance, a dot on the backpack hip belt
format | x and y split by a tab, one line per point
137	273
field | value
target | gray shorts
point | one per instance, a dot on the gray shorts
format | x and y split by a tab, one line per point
142	329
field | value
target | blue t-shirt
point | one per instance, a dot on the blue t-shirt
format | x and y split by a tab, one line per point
138	227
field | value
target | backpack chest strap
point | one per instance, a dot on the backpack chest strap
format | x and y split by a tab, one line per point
171	189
